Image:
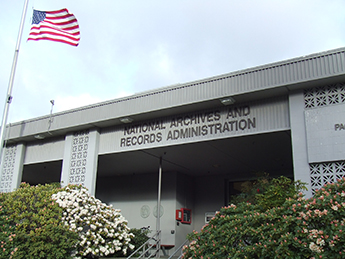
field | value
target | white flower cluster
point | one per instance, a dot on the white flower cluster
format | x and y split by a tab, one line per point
102	230
320	242
315	248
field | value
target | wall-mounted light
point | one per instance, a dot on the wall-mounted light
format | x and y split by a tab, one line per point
227	100
39	136
126	120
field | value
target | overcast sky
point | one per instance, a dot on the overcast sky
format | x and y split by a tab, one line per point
131	46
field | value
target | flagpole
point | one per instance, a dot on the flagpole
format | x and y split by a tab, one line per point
10	84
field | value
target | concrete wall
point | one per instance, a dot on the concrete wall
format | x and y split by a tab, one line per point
185	197
298	138
209	197
136	196
325	133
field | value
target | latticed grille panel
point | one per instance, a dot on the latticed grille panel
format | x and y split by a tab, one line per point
322	173
325	95
8	169
80	145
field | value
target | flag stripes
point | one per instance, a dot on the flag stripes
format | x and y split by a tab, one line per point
59	26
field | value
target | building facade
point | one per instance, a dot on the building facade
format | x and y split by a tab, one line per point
285	118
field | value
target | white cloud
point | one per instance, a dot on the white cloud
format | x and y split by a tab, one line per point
62	103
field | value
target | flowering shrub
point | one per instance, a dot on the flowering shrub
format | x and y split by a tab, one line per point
102	230
5	230
45	221
32	226
297	228
323	221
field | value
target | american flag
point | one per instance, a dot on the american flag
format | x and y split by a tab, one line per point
60	26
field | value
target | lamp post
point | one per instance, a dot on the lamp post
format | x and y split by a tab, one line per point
158	222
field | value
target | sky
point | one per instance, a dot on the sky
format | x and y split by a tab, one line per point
132	46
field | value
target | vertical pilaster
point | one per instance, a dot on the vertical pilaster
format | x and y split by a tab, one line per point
80	159
299	140
12	167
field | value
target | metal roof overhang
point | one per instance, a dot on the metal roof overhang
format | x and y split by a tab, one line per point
250	84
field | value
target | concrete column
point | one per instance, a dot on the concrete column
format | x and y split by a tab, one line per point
12	167
299	139
80	159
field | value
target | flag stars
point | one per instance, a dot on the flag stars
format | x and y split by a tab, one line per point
38	17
